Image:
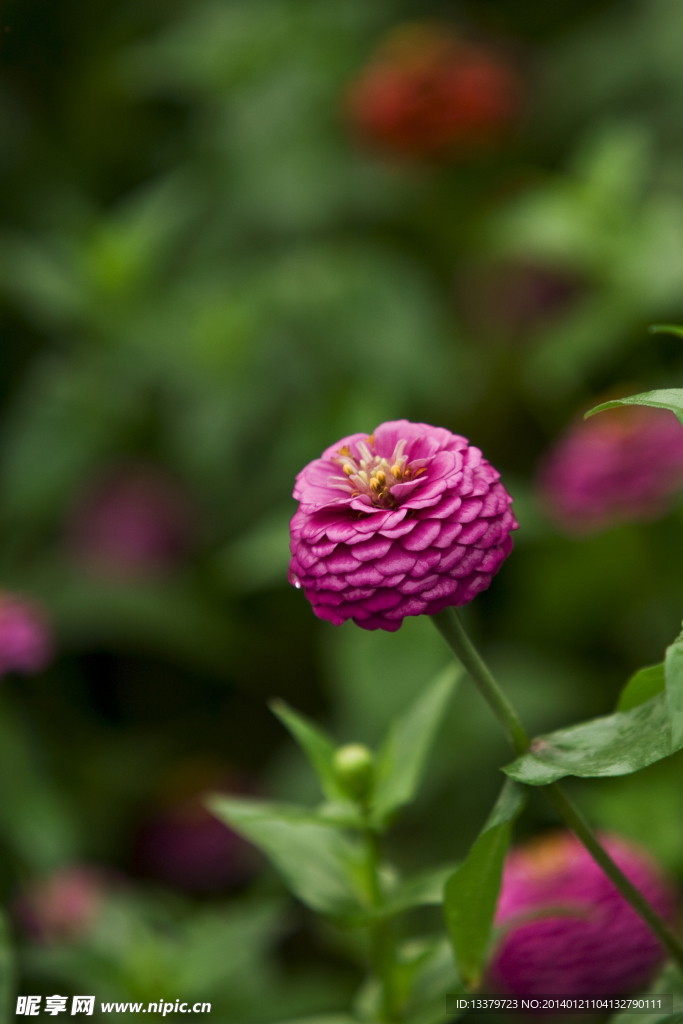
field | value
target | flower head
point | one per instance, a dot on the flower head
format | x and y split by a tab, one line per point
133	521
65	905
427	93
566	928
25	636
621	466
405	521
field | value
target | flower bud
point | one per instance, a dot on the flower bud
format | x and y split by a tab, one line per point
64	906
565	928
354	767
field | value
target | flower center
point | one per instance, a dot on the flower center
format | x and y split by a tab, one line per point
374	475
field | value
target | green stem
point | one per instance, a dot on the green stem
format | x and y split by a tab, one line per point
451	628
382	954
580	827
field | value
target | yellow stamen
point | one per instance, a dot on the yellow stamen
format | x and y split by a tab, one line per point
380	475
396	472
347	469
371	440
345	450
423	470
375	484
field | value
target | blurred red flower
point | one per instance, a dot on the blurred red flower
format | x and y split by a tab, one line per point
428	93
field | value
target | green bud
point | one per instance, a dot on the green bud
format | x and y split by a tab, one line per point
354	767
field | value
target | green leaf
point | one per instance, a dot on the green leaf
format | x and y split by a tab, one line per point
7	972
318	863
673	672
643	684
615	744
324	1018
669	981
423	890
472	891
667	398
316	745
403	756
666	329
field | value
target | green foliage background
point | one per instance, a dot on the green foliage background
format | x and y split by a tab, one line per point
199	267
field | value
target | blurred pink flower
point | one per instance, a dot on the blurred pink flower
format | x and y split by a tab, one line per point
428	93
566	929
624	465
185	846
64	906
134	521
406	521
26	644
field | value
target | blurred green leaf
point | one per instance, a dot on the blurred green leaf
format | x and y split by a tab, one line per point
666	398
319	864
673	672
666	329
643	684
669	981
403	755
323	1018
423	890
615	744
7	971
471	893
434	978
172	617
35	821
316	744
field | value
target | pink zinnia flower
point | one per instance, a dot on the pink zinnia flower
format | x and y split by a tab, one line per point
566	929
65	905
134	521
25	636
405	521
428	93
624	465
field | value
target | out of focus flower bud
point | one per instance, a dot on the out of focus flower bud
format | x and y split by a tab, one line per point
25	636
135	521
428	93
182	844
513	299
565	928
354	769
64	906
621	466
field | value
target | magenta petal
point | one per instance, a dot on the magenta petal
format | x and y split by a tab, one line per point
412	586
472	532
376	547
424	534
396	560
341	561
367	576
